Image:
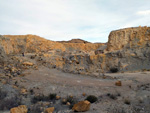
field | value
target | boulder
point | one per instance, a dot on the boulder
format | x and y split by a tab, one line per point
82	106
19	109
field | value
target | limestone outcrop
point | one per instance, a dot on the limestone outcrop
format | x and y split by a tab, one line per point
2	54
136	37
127	50
14	44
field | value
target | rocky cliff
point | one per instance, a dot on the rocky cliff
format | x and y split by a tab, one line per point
14	44
127	50
2	54
137	37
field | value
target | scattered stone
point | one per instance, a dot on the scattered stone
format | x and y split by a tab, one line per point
64	101
19	109
118	83
27	64
23	91
57	97
82	106
68	103
49	110
84	94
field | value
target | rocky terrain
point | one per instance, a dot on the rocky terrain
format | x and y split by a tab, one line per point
43	76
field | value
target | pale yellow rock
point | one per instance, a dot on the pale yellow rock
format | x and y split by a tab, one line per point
49	110
23	91
19	109
27	64
82	106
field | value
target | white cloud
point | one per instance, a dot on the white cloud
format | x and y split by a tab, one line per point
146	12
90	20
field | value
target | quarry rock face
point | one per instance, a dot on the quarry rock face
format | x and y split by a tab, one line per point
127	50
14	44
129	38
2	54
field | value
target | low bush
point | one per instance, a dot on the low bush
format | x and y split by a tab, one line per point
92	98
8	103
127	101
42	97
37	98
112	96
52	96
3	94
114	70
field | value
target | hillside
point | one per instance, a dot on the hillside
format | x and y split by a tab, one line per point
41	74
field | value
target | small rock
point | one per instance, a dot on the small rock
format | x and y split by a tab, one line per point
23	91
57	97
49	110
27	64
82	106
84	94
68	103
118	83
64	101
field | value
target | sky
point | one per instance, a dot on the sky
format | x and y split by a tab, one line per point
90	20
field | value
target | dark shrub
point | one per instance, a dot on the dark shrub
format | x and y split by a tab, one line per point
52	96
3	94
126	101
38	98
71	100
31	91
114	70
36	108
113	97
92	98
9	103
42	97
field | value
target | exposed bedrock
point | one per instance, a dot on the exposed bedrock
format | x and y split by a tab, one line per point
127	50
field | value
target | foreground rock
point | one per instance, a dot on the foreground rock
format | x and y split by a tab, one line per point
82	106
49	110
19	109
